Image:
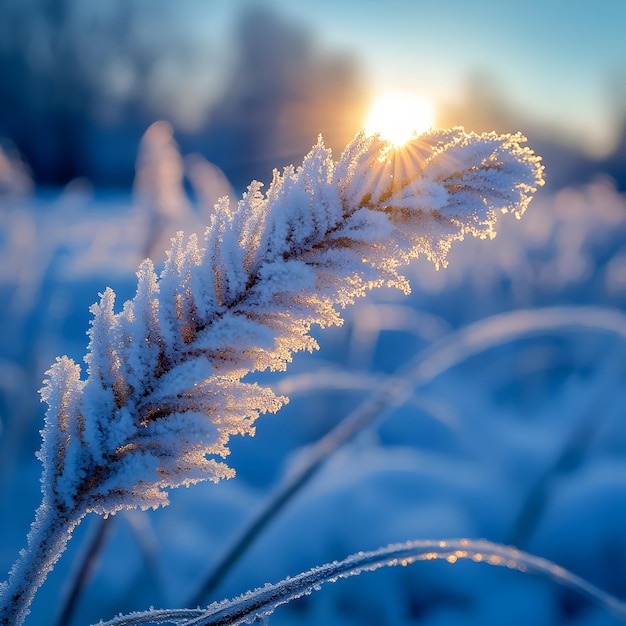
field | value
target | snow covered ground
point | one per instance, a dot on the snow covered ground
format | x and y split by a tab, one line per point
522	443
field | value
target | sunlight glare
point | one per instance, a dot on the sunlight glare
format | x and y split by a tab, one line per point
396	116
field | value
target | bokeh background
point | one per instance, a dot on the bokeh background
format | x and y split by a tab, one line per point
121	123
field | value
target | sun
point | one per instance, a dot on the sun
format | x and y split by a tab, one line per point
396	116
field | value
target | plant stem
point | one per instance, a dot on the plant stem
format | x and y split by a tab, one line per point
47	539
263	601
85	569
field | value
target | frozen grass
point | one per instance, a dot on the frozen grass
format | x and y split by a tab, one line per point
262	602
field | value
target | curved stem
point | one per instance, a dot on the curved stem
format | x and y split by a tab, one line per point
438	357
263	601
47	539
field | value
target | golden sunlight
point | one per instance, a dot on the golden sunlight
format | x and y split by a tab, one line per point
396	116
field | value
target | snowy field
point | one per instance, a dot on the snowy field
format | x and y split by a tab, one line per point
522	442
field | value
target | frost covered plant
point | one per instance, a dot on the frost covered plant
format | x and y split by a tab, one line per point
164	389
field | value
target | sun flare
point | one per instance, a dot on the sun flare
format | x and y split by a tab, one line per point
396	116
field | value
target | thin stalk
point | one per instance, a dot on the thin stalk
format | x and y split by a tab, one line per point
438	357
47	539
85	569
264	601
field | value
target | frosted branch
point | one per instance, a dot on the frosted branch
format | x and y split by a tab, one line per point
163	392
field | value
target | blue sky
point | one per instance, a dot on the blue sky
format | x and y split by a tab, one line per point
562	63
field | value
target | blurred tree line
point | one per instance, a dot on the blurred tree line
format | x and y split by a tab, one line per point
483	107
80	83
